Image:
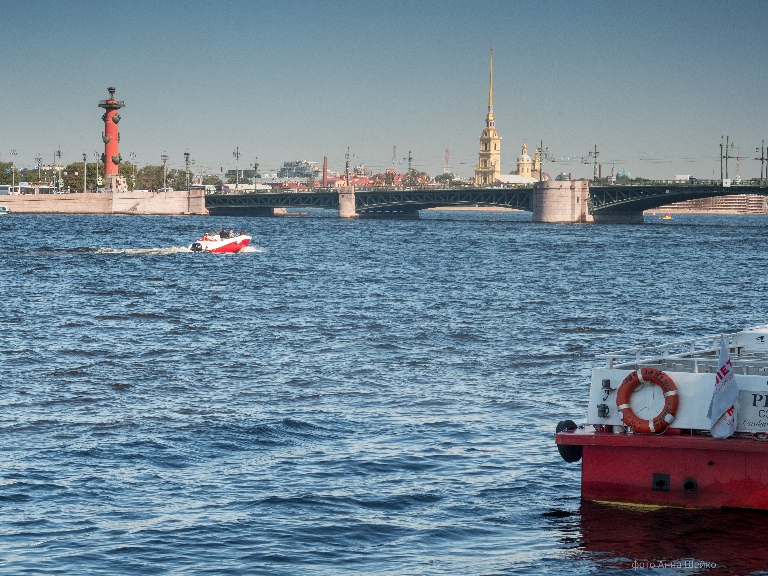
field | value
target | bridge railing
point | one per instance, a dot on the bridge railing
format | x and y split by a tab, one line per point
692	183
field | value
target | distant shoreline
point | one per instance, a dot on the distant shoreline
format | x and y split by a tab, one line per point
476	209
685	211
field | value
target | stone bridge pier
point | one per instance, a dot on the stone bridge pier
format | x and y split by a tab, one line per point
347	202
561	202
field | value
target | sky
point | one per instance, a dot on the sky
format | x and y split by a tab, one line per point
653	84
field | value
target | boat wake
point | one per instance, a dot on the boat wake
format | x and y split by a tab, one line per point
48	251
143	251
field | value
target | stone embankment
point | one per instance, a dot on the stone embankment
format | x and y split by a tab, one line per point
176	202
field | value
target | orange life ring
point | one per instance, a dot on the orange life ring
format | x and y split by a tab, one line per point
671	400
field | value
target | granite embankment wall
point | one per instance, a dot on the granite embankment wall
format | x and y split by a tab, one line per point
139	202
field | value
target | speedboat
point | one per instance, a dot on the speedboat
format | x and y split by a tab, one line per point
217	244
4	210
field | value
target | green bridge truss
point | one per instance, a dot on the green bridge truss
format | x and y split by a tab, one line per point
604	199
652	194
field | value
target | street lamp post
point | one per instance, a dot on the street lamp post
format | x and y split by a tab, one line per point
164	158
58	168
85	172
97	155
133	166
186	167
38	161
236	154
724	155
542	156
762	161
13	169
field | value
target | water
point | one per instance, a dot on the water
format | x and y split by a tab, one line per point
350	397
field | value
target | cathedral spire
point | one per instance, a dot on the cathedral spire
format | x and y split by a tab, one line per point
490	86
488	169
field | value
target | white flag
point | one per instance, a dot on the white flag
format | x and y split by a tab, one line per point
722	407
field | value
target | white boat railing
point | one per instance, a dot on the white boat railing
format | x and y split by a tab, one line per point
695	351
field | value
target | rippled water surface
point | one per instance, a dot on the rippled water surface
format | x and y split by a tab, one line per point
349	397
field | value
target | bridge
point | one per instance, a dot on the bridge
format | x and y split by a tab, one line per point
551	201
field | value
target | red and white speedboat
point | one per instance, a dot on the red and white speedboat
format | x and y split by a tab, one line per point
217	244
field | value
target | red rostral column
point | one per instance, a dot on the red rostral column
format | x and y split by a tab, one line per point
111	137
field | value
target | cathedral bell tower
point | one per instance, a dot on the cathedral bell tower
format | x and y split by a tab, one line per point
488	169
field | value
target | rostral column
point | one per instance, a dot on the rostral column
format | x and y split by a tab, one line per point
111	137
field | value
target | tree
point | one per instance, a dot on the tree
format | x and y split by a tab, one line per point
177	179
446	179
415	177
311	183
6	177
211	180
241	180
149	177
72	177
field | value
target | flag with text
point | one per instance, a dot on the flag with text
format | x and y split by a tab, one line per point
722	407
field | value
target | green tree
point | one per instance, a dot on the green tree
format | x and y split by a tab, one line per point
446	179
210	180
149	177
177	179
243	180
6	177
72	177
311	183
414	177
11	173
125	170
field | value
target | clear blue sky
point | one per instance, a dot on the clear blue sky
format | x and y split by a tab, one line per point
653	84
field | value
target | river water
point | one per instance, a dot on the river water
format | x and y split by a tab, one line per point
350	397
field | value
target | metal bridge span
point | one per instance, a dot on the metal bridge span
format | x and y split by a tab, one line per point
607	203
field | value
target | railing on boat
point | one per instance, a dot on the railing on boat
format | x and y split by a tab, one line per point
695	355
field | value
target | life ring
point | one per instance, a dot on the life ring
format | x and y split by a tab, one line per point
671	400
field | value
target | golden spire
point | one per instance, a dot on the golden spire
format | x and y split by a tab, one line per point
490	87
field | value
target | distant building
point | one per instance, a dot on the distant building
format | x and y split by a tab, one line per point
299	169
524	163
525	172
731	204
243	173
361	170
488	167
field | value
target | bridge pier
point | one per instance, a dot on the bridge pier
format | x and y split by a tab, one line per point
347	202
561	202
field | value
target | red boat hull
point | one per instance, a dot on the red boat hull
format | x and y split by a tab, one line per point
234	246
672	469
221	246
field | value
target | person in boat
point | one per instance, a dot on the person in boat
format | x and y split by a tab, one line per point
232	233
242	232
223	233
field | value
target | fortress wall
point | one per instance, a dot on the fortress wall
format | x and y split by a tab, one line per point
88	203
174	202
139	202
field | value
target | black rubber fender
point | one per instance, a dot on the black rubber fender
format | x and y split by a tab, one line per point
568	452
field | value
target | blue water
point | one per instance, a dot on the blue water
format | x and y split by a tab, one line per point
351	397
